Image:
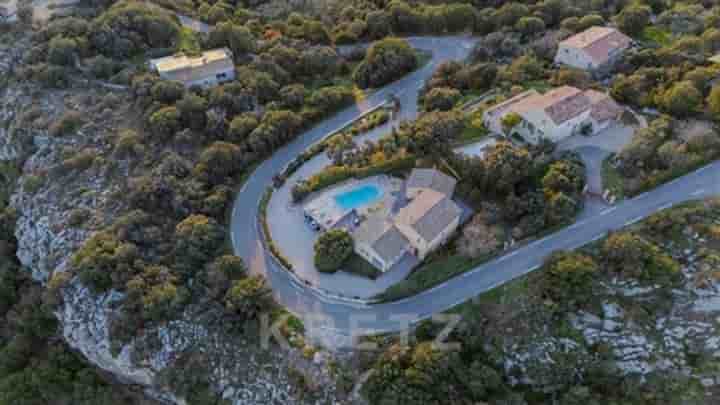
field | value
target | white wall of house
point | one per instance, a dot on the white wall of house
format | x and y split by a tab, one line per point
371	256
574	57
537	125
493	123
212	80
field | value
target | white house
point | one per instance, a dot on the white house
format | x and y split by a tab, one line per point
427	220
555	115
207	70
380	242
595	49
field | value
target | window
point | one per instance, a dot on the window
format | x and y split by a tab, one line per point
221	76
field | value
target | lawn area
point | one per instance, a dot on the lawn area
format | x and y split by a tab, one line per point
612	180
429	275
656	35
474	129
471	134
360	267
188	42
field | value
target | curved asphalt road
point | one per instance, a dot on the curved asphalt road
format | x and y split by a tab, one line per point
335	320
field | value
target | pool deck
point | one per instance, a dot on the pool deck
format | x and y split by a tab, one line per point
324	209
296	239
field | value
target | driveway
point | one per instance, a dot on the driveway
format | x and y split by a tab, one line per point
296	240
477	149
595	149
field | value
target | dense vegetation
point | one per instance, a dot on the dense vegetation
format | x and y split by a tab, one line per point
332	249
386	60
36	366
184	151
542	305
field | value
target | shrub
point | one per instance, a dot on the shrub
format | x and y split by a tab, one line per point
32	183
441	98
332	249
165	122
249	296
634	256
567	278
62	51
128	28
68	123
385	61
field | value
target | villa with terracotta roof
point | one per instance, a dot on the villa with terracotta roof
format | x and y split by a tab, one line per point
595	49
207	70
555	115
426	218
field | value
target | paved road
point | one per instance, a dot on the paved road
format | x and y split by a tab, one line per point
337	319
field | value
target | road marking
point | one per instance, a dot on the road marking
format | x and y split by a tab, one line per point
507	256
632	221
698	192
664	206
702	169
607	211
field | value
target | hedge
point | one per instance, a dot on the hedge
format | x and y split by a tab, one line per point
337	174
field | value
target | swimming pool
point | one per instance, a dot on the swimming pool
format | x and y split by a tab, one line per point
358	197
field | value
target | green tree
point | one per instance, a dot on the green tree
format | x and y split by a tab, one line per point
222	272
155	290
62	51
713	101
633	18
167	92
164	123
241	127
249	296
509	164
104	261
218	162
567	278
332	249
236	37
441	99
193	111
197	240
634	256
509	122
530	26
682	99
386	60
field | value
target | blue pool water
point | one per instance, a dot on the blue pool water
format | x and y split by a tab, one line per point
358	197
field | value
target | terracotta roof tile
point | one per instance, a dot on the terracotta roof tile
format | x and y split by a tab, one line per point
598	42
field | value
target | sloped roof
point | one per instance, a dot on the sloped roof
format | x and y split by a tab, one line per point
560	104
383	236
432	179
189	69
429	214
564	103
598	42
604	108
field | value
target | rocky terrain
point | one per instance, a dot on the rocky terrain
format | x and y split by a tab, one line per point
68	189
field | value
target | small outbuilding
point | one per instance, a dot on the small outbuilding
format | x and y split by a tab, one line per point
207	70
595	49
